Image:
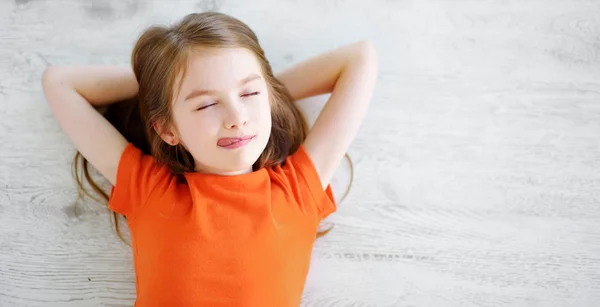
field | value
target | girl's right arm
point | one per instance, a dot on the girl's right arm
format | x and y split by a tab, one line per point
72	92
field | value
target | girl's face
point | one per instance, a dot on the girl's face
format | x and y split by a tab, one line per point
221	113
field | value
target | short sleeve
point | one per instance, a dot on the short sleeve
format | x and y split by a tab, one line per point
137	176
306	172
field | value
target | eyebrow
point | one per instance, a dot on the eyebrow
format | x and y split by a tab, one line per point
201	92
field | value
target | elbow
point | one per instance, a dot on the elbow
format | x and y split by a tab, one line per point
366	50
365	56
52	84
368	59
50	74
52	78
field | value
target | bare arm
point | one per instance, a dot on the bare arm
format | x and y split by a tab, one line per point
72	92
349	74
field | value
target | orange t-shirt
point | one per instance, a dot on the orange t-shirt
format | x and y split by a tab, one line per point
220	240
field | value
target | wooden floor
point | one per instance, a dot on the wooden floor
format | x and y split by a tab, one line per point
477	171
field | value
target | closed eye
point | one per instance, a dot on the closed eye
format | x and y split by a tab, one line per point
204	107
251	94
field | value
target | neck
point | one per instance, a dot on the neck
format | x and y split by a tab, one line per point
207	170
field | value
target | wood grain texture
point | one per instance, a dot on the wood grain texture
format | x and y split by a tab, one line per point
477	170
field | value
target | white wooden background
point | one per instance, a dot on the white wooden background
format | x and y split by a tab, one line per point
477	169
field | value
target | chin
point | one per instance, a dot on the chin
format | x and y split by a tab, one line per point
240	162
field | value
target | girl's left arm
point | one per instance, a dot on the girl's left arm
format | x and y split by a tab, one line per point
349	74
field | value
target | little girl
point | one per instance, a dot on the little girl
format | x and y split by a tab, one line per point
224	202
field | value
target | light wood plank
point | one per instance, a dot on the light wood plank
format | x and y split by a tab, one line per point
477	170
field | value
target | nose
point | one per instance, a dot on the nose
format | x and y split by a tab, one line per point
235	115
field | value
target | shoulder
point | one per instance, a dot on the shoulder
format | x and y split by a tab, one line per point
134	161
138	176
303	179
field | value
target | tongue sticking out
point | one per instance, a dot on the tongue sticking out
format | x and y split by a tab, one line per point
234	142
227	142
230	141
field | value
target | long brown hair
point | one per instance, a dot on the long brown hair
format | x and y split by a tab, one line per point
159	58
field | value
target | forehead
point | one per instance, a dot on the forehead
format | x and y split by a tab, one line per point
219	68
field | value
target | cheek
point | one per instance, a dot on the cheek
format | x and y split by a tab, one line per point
196	127
265	110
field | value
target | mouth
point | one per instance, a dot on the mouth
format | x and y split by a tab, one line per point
231	143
